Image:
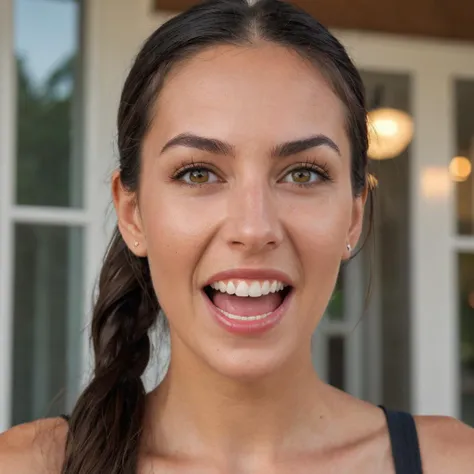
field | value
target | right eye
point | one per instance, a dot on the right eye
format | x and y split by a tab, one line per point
197	175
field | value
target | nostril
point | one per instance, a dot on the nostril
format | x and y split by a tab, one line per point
267	245
272	244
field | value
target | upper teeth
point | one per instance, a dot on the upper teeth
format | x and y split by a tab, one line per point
248	288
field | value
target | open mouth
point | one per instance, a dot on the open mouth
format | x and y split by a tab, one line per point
247	301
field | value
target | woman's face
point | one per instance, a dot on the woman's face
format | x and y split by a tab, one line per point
246	185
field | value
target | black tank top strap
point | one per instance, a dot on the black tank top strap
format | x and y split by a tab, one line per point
404	439
65	417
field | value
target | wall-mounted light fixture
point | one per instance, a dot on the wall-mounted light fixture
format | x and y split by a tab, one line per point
390	130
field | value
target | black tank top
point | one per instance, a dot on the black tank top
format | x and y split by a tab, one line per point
404	439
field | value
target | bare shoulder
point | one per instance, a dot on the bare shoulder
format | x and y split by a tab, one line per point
446	444
33	448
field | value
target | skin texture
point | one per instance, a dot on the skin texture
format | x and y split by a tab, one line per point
248	403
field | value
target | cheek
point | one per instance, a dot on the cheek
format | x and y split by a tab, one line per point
319	232
320	226
178	228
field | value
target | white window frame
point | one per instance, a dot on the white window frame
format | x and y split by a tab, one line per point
11	213
433	66
7	113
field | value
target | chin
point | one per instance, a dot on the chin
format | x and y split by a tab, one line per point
250	364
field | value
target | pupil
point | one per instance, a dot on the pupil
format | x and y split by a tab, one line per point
199	176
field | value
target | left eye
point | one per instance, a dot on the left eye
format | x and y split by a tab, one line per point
302	176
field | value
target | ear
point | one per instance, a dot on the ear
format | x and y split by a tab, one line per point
357	222
128	217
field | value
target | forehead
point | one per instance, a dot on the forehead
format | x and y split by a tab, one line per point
264	91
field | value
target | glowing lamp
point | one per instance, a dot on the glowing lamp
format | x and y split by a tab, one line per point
390	132
460	168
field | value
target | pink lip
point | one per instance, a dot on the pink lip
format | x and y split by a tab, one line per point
249	327
250	274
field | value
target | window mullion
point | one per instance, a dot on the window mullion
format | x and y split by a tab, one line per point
7	177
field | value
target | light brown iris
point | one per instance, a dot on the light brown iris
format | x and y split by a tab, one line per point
301	176
199	176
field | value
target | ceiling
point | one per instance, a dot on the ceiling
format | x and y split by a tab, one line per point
448	19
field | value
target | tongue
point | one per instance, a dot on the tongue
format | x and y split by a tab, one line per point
248	306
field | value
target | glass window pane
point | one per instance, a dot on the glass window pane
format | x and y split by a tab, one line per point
335	309
388	255
466	311
336	369
48	166
461	164
47	320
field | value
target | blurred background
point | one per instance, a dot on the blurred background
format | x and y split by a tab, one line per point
409	344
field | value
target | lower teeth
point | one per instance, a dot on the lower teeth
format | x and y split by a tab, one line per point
244	318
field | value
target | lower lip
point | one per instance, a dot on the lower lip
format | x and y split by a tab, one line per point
249	327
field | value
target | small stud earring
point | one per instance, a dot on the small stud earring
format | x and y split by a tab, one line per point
349	248
136	243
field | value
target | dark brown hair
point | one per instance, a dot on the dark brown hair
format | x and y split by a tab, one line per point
105	426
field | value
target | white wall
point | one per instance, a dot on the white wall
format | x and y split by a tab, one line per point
115	30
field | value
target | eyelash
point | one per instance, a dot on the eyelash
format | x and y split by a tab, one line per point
320	168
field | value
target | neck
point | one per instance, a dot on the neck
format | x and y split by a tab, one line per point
197	409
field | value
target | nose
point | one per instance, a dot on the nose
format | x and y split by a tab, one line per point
253	221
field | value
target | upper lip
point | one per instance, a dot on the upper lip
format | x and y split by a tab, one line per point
260	274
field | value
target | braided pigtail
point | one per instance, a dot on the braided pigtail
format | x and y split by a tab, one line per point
105	425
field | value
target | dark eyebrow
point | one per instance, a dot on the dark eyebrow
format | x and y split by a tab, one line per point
210	145
218	147
298	146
